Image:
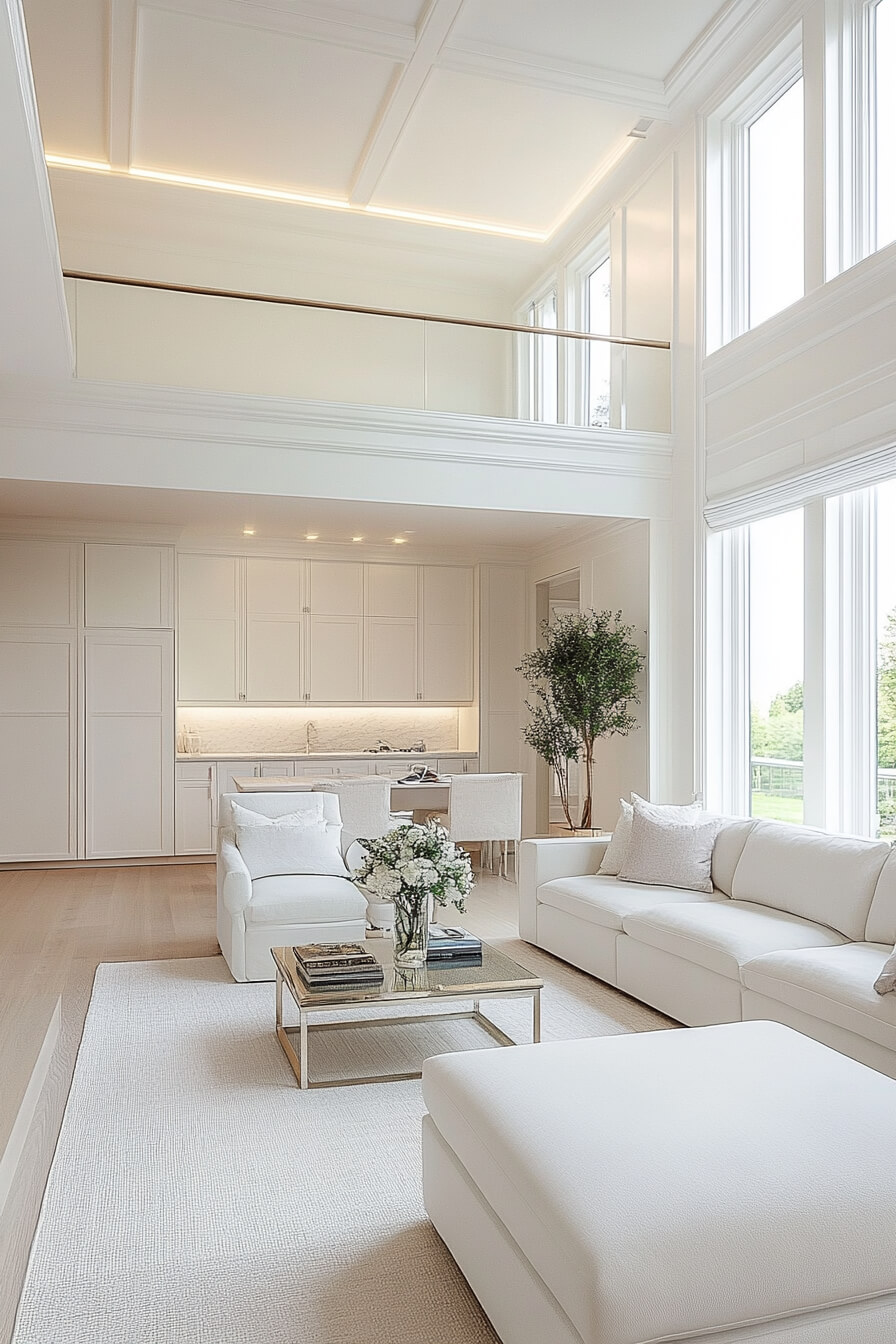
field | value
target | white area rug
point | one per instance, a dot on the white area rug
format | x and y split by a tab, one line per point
197	1196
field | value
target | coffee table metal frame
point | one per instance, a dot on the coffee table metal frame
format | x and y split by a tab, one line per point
310	1002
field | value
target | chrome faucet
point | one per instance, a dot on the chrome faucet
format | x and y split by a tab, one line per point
419	745
310	731
381	745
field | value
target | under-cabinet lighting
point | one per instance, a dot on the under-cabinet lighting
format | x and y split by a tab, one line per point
357	538
399	541
311	536
248	531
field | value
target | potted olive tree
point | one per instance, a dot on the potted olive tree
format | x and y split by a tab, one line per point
582	681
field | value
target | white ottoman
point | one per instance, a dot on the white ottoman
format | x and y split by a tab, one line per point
728	1183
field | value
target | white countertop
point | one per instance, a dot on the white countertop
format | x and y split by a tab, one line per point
321	755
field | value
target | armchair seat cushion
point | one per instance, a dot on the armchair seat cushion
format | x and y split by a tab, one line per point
299	898
723	935
835	984
606	901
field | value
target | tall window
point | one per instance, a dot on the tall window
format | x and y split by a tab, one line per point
542	362
776	666
754	172
598	352
886	657
884	103
774	222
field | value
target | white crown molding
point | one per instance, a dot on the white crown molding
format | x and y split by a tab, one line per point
696	75
646	97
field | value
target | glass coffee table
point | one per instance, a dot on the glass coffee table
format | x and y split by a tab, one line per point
496	978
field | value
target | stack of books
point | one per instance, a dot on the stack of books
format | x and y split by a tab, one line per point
453	944
337	966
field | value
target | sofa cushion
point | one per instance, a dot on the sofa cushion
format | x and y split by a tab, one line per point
722	935
826	878
298	898
835	984
727	850
603	900
881	926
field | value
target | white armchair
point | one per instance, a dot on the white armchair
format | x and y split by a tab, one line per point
281	910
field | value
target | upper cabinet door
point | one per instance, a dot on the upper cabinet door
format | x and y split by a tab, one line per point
208	628
336	659
390	660
447	634
336	588
391	591
128	586
274	630
38	583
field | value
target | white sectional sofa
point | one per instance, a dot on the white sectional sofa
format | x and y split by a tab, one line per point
796	929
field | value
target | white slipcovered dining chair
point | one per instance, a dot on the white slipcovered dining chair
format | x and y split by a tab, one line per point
364	805
285	907
486	808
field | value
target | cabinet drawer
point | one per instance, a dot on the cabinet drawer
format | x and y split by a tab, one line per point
198	770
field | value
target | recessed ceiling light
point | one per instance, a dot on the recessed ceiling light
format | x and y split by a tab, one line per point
311	536
248	531
357	538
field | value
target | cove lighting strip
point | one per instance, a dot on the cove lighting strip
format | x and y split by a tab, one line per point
298	198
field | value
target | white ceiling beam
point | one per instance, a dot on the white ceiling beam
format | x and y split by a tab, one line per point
318	22
122	58
35	340
433	33
646	97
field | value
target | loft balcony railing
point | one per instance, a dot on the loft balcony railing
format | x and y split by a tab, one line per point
136	330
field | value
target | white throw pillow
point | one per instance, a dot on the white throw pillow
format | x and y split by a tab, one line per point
614	855
886	981
616	850
314	811
290	845
670	851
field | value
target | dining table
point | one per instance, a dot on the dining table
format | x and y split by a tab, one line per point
418	798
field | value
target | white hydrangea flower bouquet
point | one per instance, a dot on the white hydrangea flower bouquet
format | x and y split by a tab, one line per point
412	866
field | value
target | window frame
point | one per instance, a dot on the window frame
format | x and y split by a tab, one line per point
578	273
728	190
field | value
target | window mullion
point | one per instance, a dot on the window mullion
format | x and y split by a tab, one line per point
727	770
850	671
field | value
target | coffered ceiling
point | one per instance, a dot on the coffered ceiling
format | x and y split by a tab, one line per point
496	117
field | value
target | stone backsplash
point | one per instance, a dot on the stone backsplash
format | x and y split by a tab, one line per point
270	730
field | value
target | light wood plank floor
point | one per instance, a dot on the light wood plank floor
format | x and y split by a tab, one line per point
58	925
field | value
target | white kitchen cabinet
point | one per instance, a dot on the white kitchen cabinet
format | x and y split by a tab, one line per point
390	660
336	659
38	744
274	630
38	583
194	794
209	644
128	586
446	637
275	769
129	743
391	590
336	588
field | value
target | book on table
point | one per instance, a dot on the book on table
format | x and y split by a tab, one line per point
334	964
450	943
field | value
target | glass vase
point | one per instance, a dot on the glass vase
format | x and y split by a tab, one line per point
410	931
